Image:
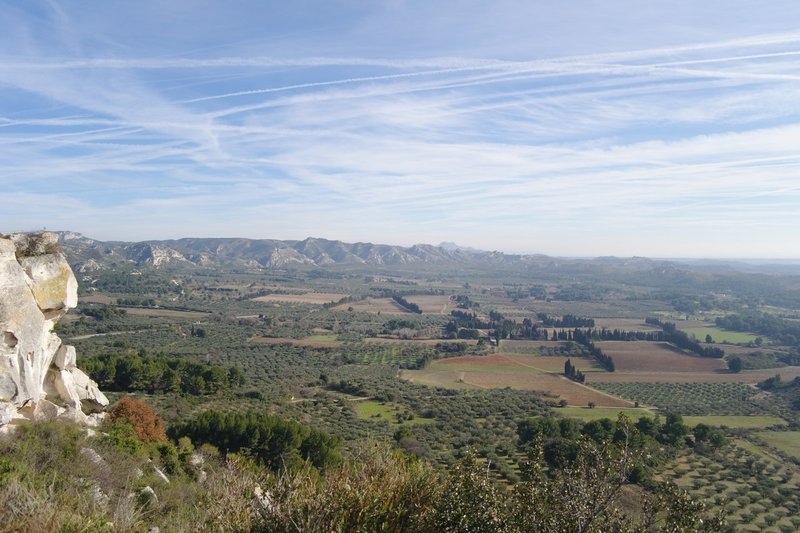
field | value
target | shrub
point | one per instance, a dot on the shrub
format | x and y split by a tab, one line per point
148	426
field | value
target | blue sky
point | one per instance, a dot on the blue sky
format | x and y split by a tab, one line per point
659	128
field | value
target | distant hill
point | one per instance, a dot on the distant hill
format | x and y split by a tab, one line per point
451	246
89	254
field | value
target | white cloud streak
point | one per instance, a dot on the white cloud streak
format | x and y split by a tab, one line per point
481	150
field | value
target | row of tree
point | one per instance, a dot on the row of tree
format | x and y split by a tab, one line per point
682	340
103	312
584	337
138	302
566	321
405	304
573	373
469	320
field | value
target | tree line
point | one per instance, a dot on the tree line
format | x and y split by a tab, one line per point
135	372
566	321
573	373
270	440
784	331
584	337
682	340
561	437
405	304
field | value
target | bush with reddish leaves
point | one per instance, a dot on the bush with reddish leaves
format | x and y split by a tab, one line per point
149	427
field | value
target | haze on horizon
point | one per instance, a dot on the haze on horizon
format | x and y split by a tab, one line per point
665	129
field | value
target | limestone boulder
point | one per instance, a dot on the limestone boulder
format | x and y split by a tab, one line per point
90	395
7	412
65	357
52	282
37	287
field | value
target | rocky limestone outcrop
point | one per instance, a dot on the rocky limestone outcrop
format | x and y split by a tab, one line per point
38	376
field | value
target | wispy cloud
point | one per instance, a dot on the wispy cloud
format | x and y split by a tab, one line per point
635	146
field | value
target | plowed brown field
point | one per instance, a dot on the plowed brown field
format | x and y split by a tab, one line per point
641	356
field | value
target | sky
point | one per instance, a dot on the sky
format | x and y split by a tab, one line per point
581	128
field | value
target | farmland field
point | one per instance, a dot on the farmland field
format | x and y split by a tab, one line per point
786	441
372	409
374	305
405	355
502	362
721	335
735	421
642	356
626	324
720	376
694	398
500	371
318	298
551	363
532	347
387	412
757	492
425	342
431	304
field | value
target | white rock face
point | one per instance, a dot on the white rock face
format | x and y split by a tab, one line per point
38	376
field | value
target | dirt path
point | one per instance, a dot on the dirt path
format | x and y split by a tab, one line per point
520	363
81	337
561	376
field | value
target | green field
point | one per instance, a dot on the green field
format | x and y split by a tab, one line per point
786	441
733	421
371	410
587	415
328	337
721	335
736	422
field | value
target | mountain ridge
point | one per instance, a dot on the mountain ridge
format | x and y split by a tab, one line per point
91	254
87	255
